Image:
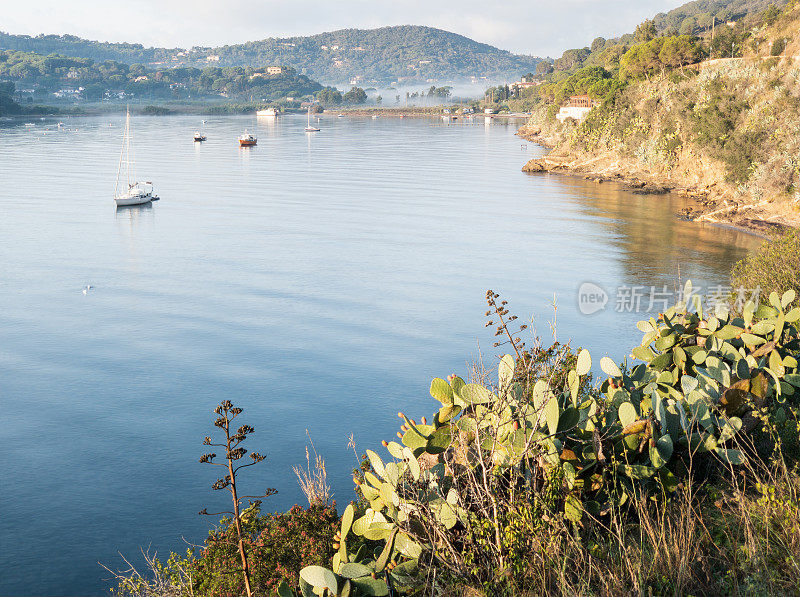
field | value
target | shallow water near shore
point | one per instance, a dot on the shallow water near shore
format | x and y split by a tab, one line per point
319	281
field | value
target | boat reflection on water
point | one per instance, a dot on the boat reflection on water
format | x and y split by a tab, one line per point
134	213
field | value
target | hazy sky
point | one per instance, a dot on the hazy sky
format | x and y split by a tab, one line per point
540	27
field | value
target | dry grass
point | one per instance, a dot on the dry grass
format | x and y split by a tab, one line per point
313	479
731	538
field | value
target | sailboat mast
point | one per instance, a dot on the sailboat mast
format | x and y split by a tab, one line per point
121	156
128	145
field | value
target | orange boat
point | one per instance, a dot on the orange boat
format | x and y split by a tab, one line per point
247	140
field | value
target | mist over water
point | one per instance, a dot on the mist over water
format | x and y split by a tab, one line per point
318	281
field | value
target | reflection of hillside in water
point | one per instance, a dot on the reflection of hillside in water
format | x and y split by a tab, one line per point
651	240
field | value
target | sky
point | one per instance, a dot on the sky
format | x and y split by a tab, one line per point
537	27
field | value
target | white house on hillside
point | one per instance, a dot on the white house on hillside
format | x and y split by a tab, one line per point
577	108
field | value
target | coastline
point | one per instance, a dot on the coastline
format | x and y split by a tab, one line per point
710	203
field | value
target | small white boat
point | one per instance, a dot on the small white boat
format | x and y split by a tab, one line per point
269	112
309	128
198	136
135	193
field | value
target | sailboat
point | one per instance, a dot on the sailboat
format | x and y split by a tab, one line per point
309	128
137	193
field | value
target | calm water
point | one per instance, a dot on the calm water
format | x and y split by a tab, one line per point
318	281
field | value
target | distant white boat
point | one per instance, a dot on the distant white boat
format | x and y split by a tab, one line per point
136	193
269	112
309	128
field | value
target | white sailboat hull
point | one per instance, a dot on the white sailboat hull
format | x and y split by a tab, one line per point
134	197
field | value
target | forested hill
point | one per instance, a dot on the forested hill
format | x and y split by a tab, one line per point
70	45
380	56
703	13
385	55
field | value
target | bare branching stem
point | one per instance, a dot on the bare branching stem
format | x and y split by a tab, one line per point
227	412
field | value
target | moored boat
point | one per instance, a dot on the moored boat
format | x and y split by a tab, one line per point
309	128
136	193
247	140
269	112
198	136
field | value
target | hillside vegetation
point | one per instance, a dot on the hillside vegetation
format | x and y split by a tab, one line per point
377	56
701	18
674	113
65	76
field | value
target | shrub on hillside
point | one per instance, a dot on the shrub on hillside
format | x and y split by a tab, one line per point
778	46
717	127
278	545
774	267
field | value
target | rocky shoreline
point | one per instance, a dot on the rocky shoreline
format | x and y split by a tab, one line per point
709	202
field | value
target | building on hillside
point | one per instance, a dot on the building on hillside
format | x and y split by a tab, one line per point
212	58
525	82
577	108
61	93
271	70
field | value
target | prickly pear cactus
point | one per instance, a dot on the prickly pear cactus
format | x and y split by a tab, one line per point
705	381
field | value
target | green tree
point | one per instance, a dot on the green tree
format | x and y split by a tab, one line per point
572	59
355	96
598	44
7	103
645	31
329	96
676	52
